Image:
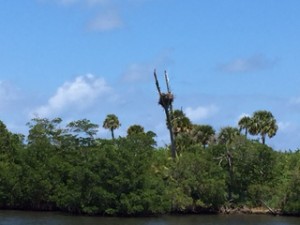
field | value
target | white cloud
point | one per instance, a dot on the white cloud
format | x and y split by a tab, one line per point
106	21
253	63
241	116
76	95
201	112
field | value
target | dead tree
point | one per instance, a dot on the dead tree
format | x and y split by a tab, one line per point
166	101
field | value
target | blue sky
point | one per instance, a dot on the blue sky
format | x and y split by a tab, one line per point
78	59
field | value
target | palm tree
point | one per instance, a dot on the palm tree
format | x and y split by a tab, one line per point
263	124
228	137
111	122
203	134
245	123
181	123
135	129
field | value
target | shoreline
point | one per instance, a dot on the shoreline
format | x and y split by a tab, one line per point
254	210
242	210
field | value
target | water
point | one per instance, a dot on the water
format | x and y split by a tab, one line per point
50	218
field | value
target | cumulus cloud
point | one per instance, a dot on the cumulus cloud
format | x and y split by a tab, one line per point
201	112
106	21
250	64
75	95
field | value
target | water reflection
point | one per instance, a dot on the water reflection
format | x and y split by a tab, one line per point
47	218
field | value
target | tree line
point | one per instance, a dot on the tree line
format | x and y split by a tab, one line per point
67	168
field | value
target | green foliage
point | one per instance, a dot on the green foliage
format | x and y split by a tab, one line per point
180	122
195	182
111	122
69	169
135	129
291	183
250	169
245	124
84	129
203	134
292	204
264	124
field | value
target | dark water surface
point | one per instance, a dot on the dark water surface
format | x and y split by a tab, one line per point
50	218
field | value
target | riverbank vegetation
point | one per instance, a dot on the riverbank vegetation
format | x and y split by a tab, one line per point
65	167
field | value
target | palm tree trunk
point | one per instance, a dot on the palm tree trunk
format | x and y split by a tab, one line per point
263	138
112	134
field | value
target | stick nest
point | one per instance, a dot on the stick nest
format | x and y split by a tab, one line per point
166	99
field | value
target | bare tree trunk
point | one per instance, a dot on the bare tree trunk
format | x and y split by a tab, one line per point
169	91
229	159
269	208
173	146
168	108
